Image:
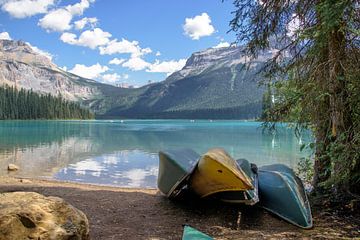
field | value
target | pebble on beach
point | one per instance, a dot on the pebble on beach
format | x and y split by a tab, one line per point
12	167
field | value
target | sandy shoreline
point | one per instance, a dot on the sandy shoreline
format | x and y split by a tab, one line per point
124	213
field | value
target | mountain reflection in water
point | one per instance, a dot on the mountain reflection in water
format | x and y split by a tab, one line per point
124	153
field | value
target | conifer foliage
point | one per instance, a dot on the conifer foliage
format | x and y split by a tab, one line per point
24	104
314	74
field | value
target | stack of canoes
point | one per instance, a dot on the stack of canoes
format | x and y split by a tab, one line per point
216	174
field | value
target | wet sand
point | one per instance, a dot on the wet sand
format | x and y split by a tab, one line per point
120	213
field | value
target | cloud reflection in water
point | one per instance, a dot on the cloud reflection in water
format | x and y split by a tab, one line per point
126	168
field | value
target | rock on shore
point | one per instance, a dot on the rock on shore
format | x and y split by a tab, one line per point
29	215
12	167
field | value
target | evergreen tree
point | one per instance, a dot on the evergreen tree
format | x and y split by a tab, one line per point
319	45
23	104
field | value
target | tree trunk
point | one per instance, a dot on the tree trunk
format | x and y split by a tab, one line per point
322	121
337	84
340	112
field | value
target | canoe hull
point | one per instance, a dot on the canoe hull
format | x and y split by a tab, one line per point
282	193
193	234
175	167
217	172
247	197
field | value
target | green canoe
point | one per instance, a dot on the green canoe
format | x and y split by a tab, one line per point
193	234
248	197
175	167
282	193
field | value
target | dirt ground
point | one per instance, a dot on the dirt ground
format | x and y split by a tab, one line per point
118	213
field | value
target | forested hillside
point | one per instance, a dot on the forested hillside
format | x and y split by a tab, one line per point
24	104
214	84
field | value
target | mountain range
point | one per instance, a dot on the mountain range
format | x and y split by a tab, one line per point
214	83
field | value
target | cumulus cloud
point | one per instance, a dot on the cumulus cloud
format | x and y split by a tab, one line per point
69	38
124	46
117	61
88	38
167	67
94	38
26	8
199	26
80	24
59	20
136	64
78	8
158	54
5	36
111	78
222	44
91	72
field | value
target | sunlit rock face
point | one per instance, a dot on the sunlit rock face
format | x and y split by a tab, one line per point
29	215
23	67
217	58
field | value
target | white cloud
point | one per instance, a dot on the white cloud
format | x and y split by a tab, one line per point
94	38
158	54
144	51
116	61
69	38
78	8
89	38
166	66
222	44
41	52
57	20
91	72
199	26
26	8
124	46
111	78
5	36
136	64
80	24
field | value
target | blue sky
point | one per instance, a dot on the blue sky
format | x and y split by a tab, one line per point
118	41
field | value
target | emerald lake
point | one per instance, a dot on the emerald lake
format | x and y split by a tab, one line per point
124	152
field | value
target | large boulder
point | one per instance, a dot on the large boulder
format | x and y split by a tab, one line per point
29	215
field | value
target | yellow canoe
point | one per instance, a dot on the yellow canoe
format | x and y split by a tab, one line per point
218	172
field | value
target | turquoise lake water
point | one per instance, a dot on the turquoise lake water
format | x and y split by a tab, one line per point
124	153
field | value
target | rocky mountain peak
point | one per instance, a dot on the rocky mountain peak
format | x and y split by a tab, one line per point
14	46
23	66
213	55
20	51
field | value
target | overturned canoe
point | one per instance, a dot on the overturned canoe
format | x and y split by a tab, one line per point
282	193
175	167
217	172
248	197
193	234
